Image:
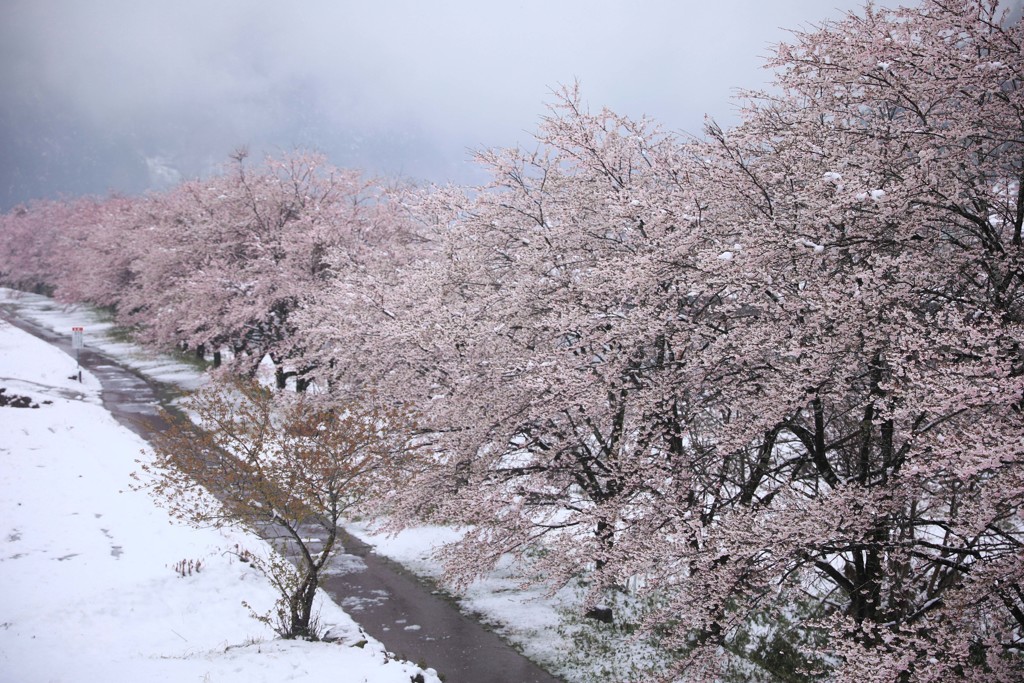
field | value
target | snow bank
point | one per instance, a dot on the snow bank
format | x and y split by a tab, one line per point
87	565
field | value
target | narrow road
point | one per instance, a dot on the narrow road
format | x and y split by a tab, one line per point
408	614
132	399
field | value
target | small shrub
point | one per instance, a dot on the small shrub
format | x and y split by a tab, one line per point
187	567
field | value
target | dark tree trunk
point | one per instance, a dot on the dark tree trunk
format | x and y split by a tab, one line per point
302	606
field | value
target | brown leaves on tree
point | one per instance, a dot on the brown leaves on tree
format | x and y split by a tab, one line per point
286	466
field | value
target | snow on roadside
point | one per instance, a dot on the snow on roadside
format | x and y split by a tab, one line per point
90	591
527	617
99	330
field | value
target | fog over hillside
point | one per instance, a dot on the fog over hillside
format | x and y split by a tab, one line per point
127	96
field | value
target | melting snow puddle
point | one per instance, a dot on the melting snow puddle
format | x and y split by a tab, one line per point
345	564
359	603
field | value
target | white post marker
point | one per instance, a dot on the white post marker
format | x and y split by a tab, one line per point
77	342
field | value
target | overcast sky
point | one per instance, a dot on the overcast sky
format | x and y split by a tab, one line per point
130	94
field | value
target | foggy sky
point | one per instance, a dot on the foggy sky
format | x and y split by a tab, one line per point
127	95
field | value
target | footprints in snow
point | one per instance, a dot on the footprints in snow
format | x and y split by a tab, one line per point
14	535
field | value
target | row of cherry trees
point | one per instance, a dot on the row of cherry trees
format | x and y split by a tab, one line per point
775	372
213	265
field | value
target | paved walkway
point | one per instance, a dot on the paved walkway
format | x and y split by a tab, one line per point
408	614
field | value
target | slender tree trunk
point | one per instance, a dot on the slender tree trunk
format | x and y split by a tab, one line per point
605	536
302	605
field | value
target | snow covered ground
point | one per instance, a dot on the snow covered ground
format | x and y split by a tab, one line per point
90	591
544	627
101	334
547	628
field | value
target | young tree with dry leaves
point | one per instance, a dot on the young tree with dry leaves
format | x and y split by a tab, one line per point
285	466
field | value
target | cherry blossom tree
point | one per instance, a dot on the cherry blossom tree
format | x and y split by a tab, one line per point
778	367
862	446
239	252
518	334
219	263
102	241
32	243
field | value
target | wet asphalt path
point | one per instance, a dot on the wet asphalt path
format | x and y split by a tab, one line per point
408	614
133	400
417	622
